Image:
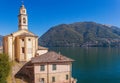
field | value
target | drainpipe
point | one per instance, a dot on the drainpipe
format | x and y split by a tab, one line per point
47	72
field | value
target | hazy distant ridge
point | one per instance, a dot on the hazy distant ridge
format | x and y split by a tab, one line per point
81	34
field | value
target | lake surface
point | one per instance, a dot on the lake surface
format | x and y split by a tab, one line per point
94	65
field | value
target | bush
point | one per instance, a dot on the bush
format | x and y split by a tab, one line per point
4	67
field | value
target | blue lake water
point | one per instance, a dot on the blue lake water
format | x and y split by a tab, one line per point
94	65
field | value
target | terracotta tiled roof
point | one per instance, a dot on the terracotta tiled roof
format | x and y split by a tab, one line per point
50	57
23	31
42	48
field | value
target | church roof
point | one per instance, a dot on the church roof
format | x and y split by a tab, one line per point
50	57
27	35
23	33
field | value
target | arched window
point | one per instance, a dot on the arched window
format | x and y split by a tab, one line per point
24	20
23	11
29	39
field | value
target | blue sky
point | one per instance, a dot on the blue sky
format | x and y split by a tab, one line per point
44	14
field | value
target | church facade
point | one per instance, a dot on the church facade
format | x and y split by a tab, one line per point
23	44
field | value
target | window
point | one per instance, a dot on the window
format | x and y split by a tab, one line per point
67	77
29	39
23	40
42	80
23	50
23	11
24	20
20	21
53	79
54	67
42	67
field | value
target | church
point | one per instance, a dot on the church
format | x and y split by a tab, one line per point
41	65
23	44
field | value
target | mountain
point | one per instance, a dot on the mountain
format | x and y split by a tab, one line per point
1	40
81	34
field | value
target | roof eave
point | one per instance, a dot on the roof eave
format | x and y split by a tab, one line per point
51	62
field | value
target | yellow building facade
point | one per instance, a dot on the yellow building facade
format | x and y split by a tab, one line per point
23	44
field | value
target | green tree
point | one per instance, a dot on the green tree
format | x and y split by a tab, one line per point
4	67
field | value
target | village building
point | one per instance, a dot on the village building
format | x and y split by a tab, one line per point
41	66
50	67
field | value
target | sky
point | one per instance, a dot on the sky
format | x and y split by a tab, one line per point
44	14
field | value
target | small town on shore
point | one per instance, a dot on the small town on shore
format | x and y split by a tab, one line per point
34	63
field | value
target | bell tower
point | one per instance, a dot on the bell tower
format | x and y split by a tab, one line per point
22	18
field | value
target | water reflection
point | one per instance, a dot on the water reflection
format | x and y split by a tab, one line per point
94	65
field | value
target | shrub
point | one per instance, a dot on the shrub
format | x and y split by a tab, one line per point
4	67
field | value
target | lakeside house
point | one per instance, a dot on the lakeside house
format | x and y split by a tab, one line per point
41	66
50	67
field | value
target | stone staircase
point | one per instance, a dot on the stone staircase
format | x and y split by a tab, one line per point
15	68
